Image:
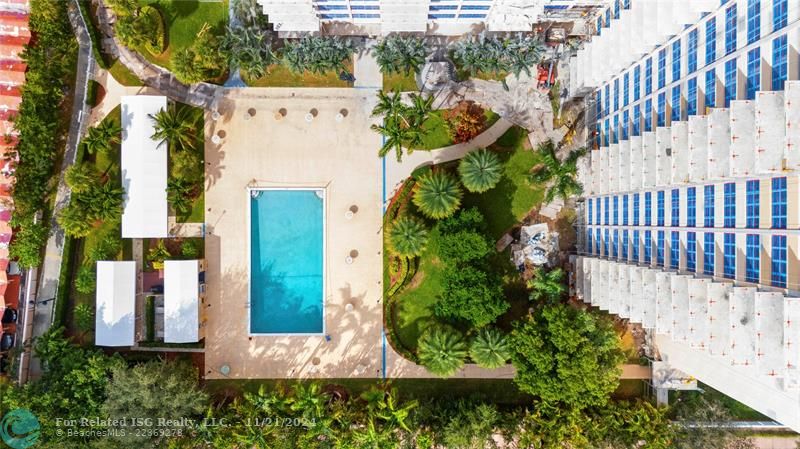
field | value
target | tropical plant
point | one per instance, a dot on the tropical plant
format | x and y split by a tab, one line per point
249	13
317	54
179	195
470	425
81	178
203	60
567	356
85	280
498	56
437	194
103	137
75	220
84	317
402	124
480	170
442	350
465	121
490	348
248	48
547	286
176	126
190	248
407	237
107	247
158	254
398	54
104	202
562	176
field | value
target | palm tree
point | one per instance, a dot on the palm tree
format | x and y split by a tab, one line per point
103	137
178	195
81	177
524	54
480	170
490	348
561	175
407	237
393	136
547	286
175	126
396	54
317	54
389	106
437	194
105	202
442	350
74	220
249	49
420	109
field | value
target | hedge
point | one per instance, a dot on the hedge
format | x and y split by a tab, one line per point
64	286
86	11
150	318
156	45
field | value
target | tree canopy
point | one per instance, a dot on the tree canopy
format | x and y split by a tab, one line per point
566	355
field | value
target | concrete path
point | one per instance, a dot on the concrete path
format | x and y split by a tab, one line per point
113	95
397	172
366	69
185	229
51	266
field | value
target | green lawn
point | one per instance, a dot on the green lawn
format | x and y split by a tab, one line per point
503	207
400	82
123	75
512	199
183	20
438	135
280	76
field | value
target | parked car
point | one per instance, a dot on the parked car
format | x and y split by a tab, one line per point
9	316
6	342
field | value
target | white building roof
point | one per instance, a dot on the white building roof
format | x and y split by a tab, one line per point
115	305
144	169
181	296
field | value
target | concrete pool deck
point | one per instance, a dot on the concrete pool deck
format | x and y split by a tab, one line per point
339	157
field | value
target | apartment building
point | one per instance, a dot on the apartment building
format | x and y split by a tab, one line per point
437	17
690	223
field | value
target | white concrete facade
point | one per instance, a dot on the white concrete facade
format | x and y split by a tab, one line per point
440	17
708	106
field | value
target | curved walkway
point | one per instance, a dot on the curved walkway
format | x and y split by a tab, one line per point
397	172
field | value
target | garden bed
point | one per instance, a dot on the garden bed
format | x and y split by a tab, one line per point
438	132
503	207
400	82
280	76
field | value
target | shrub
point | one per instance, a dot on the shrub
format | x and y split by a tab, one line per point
156	42
86	280
399	54
317	54
107	248
442	350
28	243
190	249
464	247
472	295
157	255
568	356
466	220
84	317
465	121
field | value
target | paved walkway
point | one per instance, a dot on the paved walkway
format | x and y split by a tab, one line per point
51	266
366	69
113	95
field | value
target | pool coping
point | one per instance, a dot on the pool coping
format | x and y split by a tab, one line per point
324	191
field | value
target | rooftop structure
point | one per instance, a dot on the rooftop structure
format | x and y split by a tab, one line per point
115	307
183	296
440	17
689	225
144	169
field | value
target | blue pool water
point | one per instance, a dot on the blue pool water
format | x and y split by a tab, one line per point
286	251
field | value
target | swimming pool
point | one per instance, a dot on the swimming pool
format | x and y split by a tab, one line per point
286	261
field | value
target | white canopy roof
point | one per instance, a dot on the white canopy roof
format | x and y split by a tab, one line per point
181	296
116	298
144	169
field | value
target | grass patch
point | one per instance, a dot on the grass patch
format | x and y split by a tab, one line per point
123	75
400	82
514	197
438	133
280	76
183	20
498	391
502	207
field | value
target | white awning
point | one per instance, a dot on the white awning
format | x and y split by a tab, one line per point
181	297
116	298
144	169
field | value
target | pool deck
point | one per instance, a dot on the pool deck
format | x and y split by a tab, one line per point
340	157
